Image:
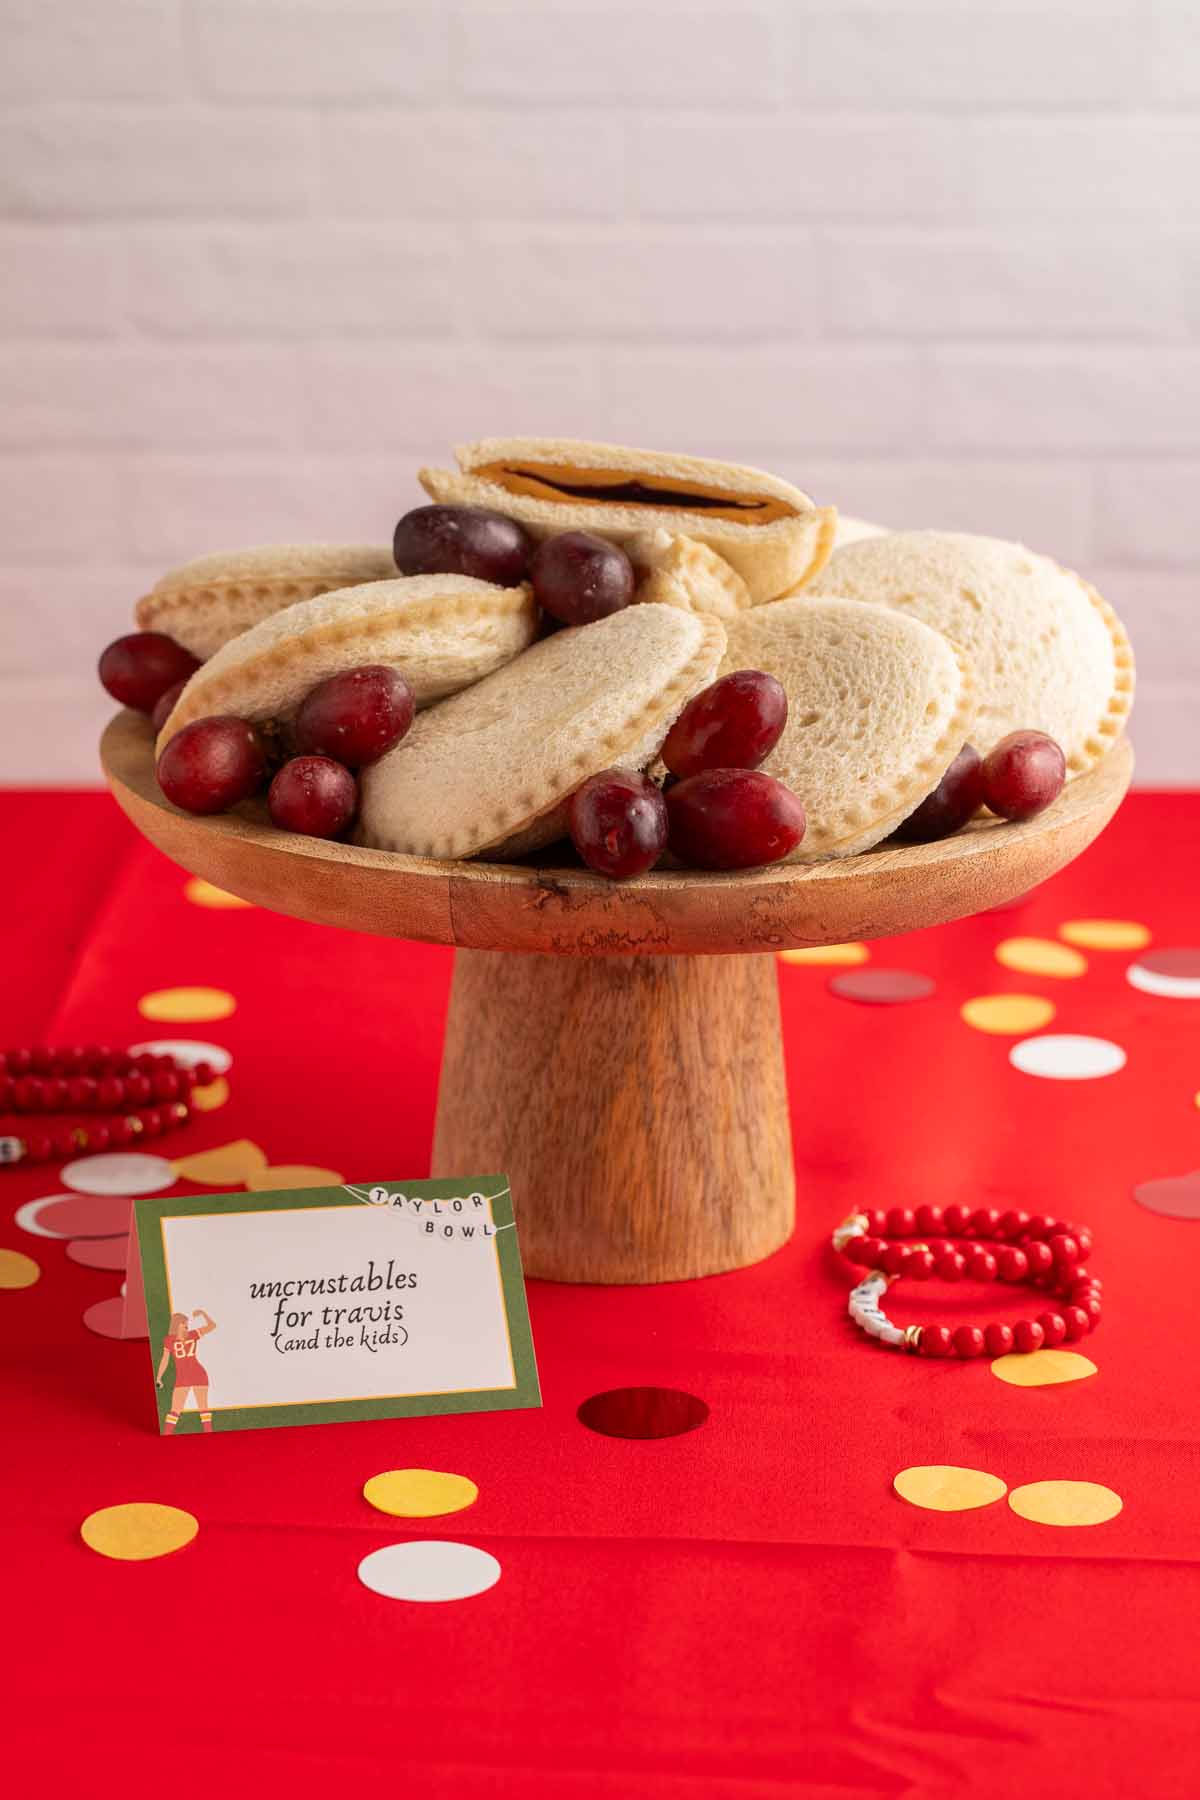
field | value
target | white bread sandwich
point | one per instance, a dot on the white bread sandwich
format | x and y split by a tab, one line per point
442	632
492	769
1050	655
879	705
772	534
206	602
681	571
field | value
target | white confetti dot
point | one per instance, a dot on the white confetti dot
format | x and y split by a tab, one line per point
188	1052
1155	981
27	1217
119	1172
1065	1057
428	1569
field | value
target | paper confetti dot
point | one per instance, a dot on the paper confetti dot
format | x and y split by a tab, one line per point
227	1165
642	1412
28	1217
121	1172
203	893
1007	1015
847	955
882	987
429	1569
1065	1502
1172	1196
942	1487
188	1051
1173	974
1066	1057
208	1099
138	1530
1043	1368
197	1004
292	1175
17	1270
100	1253
1041	956
419	1493
90	1216
1105	934
106	1318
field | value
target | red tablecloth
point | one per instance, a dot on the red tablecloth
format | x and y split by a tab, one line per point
745	1610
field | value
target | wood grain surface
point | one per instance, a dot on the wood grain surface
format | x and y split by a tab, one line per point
566	910
637	1105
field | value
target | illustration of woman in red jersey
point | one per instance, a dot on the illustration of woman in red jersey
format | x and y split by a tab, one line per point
190	1374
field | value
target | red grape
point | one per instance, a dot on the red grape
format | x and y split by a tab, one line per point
733	819
137	670
355	716
618	823
579	577
313	794
462	540
734	724
212	764
1022	774
956	797
164	706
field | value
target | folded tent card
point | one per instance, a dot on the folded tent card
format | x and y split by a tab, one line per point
359	1302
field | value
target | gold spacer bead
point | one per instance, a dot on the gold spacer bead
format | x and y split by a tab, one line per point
912	1338
135	1124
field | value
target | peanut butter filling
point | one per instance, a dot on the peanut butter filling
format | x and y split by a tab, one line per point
622	487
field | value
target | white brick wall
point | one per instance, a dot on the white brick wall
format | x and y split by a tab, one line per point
937	260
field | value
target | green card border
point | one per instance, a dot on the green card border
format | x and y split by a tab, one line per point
149	1214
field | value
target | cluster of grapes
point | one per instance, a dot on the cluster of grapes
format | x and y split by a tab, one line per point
716	809
345	723
576	577
1016	780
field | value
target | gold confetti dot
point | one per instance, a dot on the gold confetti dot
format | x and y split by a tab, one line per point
138	1530
187	1003
419	1493
292	1175
226	1165
207	1099
1043	1368
17	1270
1105	934
1008	1015
843	955
941	1487
203	893
1041	956
1065	1502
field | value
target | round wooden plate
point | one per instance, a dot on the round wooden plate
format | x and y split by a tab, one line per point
627	1078
569	911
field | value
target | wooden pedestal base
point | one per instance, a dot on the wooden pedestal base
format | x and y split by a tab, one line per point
636	1102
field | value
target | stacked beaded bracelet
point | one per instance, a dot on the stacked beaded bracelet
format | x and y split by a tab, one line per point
1015	1247
146	1094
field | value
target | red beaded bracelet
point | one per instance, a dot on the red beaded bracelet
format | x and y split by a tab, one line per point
145	1092
1016	1247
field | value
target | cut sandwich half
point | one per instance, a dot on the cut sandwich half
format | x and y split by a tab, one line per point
771	533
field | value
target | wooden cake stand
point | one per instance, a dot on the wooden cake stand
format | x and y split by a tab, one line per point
626	1070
